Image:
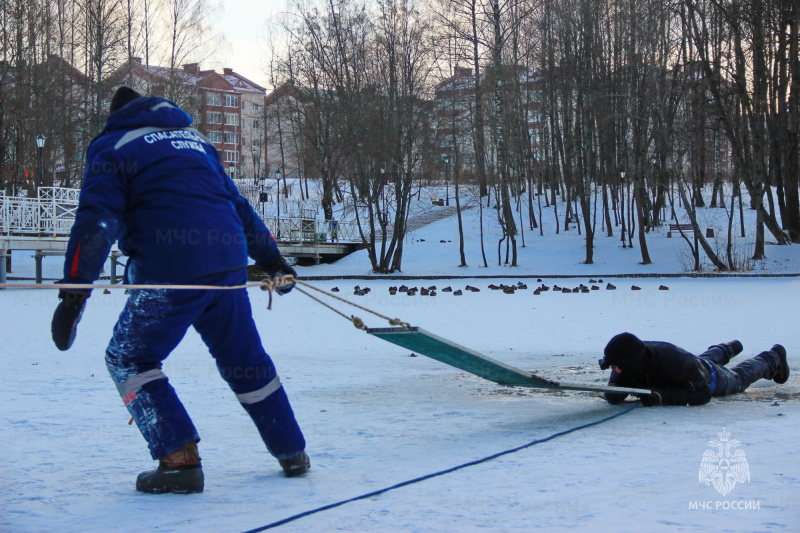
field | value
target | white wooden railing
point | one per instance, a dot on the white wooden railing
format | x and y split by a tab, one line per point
298	229
52	213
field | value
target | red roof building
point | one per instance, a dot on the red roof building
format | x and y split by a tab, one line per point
227	108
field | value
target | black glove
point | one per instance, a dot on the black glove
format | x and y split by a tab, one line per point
279	269
650	400
67	315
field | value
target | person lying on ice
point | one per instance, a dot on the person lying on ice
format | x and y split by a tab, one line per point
157	185
676	377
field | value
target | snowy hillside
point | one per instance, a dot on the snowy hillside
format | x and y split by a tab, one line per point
434	250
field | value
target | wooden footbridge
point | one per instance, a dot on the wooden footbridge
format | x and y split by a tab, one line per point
42	224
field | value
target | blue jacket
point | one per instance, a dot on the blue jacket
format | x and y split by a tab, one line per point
156	184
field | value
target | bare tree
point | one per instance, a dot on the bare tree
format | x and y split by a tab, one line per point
739	77
103	35
363	74
465	22
187	38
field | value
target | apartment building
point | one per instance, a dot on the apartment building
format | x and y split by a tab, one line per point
284	134
227	107
455	116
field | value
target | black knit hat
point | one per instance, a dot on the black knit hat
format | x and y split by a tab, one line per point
122	97
623	348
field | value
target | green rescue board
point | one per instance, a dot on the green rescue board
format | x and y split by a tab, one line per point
420	341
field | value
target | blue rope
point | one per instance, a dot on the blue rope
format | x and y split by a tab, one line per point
440	473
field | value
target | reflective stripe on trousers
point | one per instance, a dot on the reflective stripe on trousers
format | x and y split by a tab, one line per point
137	380
260	394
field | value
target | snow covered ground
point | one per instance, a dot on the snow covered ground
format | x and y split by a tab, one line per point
434	251
375	416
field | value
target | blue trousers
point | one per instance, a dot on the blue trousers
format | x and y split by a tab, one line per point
154	322
727	381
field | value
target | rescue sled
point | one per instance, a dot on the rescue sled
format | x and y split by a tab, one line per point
420	341
426	343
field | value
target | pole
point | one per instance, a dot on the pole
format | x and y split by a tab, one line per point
37	256
278	199
40	140
113	276
447	182
446	161
262	197
622	206
2	266
41	169
278	174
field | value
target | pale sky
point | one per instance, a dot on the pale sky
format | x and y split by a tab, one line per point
243	23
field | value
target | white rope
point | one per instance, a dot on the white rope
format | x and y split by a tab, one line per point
267	285
354	319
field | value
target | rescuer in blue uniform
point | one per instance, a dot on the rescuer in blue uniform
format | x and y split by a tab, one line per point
156	185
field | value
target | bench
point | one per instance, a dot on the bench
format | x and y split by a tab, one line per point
679	227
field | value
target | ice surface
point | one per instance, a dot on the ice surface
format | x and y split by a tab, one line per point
374	416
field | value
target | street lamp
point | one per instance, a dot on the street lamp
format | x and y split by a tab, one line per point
446	160
40	139
253	155
278	176
622	205
262	195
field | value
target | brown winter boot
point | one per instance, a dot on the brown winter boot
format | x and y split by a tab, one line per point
179	473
